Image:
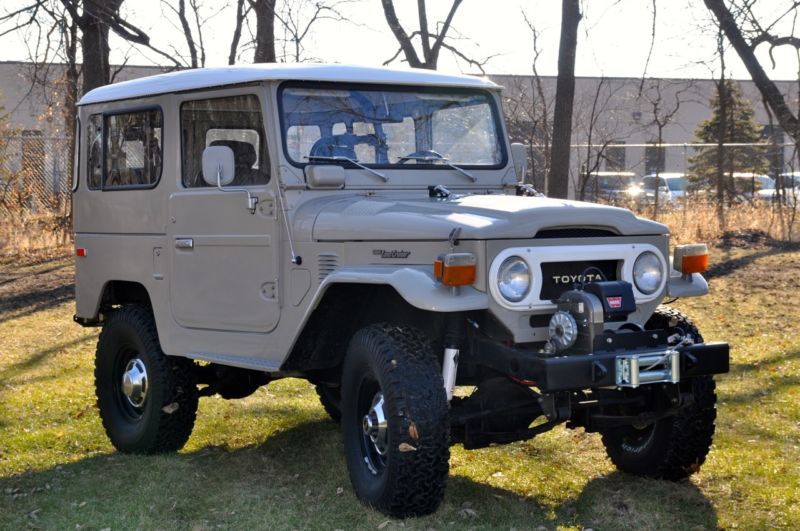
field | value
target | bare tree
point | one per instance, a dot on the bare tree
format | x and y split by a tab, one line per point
192	31
558	178
265	30
734	28
432	41
662	114
297	17
600	132
528	108
241	12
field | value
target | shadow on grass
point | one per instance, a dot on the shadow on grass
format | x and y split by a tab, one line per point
297	478
771	362
34	360
36	301
42	272
730	265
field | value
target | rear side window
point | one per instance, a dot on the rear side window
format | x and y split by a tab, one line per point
133	149
235	122
94	150
124	150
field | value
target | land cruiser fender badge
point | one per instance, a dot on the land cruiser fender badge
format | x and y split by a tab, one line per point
391	254
614	303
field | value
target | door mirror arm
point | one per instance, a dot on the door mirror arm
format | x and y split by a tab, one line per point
252	200
219	161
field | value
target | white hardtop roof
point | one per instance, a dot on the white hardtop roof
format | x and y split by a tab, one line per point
232	75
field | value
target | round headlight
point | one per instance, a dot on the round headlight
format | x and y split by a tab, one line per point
514	279
647	273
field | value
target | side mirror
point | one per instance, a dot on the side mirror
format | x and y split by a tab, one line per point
519	154
218	166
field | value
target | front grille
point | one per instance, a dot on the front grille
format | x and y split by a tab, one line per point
573	233
558	277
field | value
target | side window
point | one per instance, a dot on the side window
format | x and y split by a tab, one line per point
94	151
133	149
235	122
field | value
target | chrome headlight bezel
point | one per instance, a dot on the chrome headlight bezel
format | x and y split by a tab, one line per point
506	289
648	273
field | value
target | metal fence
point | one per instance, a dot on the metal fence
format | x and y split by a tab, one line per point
35	176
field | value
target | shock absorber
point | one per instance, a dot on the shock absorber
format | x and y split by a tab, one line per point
454	333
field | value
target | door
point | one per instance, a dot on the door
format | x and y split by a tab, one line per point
224	256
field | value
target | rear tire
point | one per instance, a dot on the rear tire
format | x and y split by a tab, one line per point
395	421
674	447
147	400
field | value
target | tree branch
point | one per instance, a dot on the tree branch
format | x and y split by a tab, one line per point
400	34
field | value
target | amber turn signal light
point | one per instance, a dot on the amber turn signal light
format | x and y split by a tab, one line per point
455	269
690	259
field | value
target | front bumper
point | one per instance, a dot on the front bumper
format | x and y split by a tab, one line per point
601	368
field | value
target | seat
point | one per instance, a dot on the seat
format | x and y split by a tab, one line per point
335	146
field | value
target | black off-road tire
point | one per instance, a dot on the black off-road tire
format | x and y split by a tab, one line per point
331	399
674	447
166	417
397	361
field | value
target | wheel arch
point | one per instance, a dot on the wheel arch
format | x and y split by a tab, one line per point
116	293
341	310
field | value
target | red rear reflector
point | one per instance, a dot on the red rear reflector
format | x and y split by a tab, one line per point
80	251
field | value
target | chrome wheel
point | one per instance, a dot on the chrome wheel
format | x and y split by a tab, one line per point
375	426
134	383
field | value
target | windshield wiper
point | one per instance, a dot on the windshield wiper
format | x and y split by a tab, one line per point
428	158
340	158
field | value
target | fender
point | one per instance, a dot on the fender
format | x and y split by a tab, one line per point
415	284
680	286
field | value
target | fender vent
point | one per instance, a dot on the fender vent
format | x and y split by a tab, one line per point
327	264
573	233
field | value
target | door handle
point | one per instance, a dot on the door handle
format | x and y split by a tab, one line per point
184	243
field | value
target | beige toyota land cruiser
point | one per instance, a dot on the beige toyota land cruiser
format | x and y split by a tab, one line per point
368	230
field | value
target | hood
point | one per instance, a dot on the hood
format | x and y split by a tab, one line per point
480	217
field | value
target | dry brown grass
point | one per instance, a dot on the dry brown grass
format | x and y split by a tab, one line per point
22	232
698	221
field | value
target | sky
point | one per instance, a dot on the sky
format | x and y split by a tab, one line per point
613	38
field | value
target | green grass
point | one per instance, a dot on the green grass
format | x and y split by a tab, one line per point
274	460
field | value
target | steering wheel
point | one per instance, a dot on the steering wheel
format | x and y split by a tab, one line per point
421	153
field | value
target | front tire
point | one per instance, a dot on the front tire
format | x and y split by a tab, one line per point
395	421
674	447
147	400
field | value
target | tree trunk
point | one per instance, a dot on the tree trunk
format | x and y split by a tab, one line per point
265	31
769	91
558	178
94	45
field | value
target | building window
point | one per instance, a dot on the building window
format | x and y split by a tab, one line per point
234	122
615	156
654	158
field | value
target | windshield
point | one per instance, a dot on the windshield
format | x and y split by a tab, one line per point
390	127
